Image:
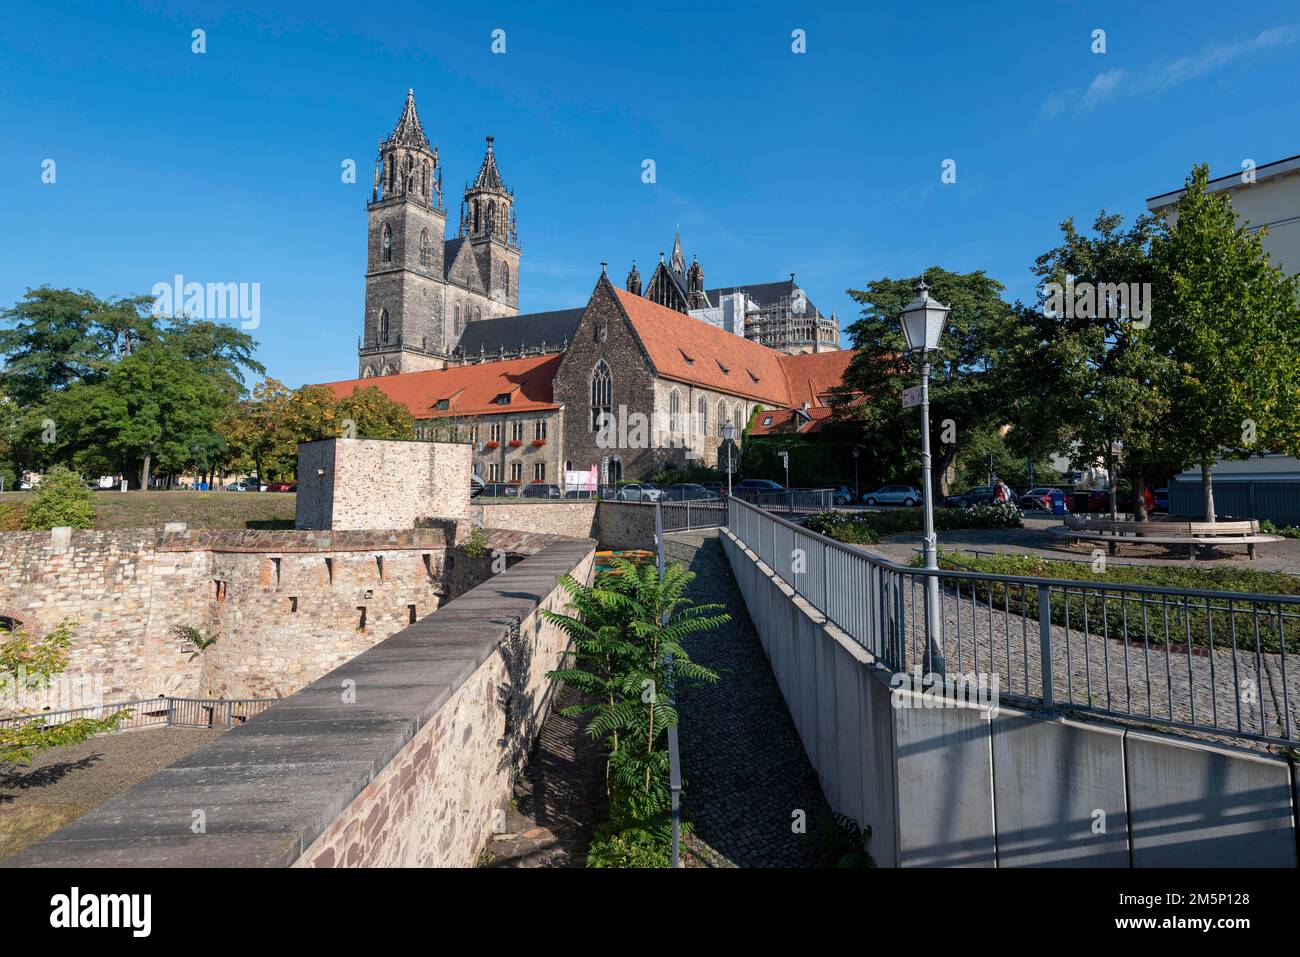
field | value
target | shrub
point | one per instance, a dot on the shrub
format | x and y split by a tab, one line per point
61	499
626	651
867	528
13	516
1286	531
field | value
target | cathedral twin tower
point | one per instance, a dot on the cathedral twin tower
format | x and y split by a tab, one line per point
422	289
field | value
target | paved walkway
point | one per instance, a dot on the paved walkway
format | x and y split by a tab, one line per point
62	784
746	773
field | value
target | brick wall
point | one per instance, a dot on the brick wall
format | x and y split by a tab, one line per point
287	605
380	483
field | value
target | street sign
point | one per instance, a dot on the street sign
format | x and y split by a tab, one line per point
911	396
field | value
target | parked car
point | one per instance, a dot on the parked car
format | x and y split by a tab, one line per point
979	495
753	486
475	486
841	495
250	484
282	487
717	488
500	490
581	493
1099	500
905	495
542	490
1162	500
687	492
1039	497
638	492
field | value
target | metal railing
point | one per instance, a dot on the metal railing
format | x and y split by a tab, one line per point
1200	660
794	501
685	516
223	713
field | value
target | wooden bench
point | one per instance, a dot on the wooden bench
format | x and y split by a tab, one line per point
1194	535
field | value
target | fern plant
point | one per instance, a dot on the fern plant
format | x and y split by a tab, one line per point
626	632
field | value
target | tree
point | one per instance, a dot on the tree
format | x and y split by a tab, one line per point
963	387
28	666
1087	377
61	499
1229	321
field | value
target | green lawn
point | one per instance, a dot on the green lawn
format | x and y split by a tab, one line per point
195	509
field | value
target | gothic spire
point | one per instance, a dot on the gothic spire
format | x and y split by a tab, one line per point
489	177
677	263
408	131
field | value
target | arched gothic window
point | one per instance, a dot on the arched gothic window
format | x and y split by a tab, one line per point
602	394
424	247
505	279
383	325
702	427
722	415
674	411
460	325
478	313
387	244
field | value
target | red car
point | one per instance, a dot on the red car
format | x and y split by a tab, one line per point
281	487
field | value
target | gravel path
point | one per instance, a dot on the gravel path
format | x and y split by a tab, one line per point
745	769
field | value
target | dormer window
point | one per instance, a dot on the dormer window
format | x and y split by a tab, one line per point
442	404
502	399
752	377
725	370
690	360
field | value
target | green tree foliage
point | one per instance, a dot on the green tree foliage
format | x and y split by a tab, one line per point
107	386
626	634
1089	378
1230	324
963	384
263	433
61	499
29	665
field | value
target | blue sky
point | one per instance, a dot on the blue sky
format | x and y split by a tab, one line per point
225	166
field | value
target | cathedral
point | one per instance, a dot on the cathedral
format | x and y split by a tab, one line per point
544	397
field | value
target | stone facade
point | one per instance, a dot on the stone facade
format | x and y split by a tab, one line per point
421	288
287	606
380	483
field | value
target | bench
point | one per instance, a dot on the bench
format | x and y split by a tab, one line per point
1194	535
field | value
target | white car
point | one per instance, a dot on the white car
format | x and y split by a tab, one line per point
904	495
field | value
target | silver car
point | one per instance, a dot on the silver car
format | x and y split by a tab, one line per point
638	492
893	495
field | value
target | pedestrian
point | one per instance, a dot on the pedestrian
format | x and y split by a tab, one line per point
1000	492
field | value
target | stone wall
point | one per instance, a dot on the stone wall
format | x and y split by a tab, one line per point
574	519
380	483
404	755
625	525
286	605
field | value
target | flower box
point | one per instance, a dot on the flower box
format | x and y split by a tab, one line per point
538	443
494	445
515	443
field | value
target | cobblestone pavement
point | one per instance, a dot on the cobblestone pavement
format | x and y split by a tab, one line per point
68	782
745	770
558	800
1233	688
1036	538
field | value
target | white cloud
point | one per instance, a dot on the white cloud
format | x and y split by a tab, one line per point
1166	74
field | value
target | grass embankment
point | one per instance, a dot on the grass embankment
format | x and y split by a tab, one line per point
1106	610
116	510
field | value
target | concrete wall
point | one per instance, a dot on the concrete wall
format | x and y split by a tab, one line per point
380	483
947	786
403	756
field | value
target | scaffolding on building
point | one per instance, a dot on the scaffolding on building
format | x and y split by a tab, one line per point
791	324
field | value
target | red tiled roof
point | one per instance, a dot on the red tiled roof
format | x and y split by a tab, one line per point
470	389
814	375
693	351
782	421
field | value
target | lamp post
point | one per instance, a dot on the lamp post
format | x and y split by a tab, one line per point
728	438
923	319
857	491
